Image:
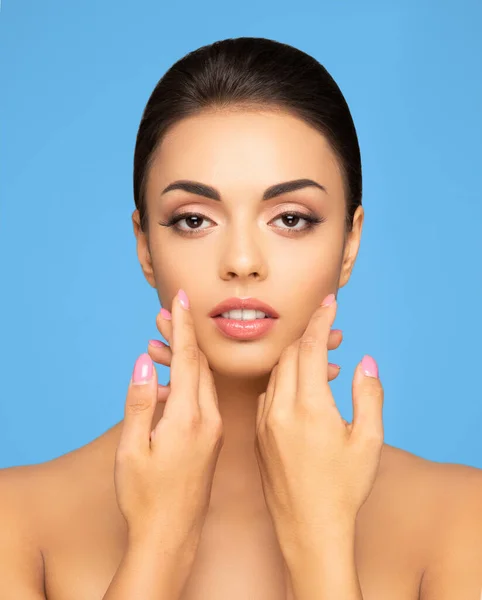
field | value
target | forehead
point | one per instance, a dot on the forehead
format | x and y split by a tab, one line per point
245	148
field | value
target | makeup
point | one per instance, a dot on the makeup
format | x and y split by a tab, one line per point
244	330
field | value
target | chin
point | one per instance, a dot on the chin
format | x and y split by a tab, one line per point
235	367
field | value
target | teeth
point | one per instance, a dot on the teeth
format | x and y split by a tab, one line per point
244	315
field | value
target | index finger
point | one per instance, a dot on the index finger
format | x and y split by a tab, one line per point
313	350
184	374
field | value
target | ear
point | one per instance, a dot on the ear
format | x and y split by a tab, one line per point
352	245
143	251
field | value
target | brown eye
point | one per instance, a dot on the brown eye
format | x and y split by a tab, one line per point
292	219
193	222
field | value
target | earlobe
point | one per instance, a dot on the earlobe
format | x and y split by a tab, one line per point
352	246
143	252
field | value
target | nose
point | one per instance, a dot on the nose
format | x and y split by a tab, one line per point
242	257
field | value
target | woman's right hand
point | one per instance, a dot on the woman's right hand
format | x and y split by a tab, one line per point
163	480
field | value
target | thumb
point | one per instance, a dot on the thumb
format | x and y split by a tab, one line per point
367	393
139	407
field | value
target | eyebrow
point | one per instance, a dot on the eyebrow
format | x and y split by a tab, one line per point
201	189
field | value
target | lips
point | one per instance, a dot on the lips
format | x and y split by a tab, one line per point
243	303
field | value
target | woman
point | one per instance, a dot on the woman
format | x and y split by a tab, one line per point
240	479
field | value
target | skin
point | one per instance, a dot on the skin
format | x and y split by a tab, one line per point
247	251
418	532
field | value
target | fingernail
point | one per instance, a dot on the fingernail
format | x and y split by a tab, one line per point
328	300
142	369
165	314
334	365
157	343
337	331
183	299
369	366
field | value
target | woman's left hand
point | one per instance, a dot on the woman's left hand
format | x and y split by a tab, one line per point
316	468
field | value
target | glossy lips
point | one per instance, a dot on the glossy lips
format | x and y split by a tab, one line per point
243	303
244	330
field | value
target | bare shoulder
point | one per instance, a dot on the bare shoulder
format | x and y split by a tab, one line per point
444	488
401	464
17	502
444	493
45	508
51	493
443	502
32	499
21	559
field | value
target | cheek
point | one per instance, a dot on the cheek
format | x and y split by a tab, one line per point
311	268
174	270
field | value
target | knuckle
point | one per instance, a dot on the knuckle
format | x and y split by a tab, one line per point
215	429
277	418
372	385
372	438
372	390
188	328
288	354
191	352
137	405
309	343
191	423
126	454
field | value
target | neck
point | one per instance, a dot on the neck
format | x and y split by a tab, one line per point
237	481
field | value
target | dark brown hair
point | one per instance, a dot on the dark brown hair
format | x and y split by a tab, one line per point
253	73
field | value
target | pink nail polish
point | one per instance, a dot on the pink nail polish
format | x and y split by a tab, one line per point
165	314
183	299
369	366
142	369
328	300
157	343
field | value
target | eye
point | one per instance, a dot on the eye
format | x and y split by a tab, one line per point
193	219
292	219
193	222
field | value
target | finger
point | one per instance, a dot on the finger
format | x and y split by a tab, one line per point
313	354
270	390
162	355
139	406
368	395
333	371
159	352
164	324
286	378
163	392
208	398
260	410
184	396
335	338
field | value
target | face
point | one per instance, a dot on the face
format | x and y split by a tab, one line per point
244	245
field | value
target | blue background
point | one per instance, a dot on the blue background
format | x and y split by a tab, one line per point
75	308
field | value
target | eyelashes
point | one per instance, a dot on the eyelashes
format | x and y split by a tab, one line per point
311	222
